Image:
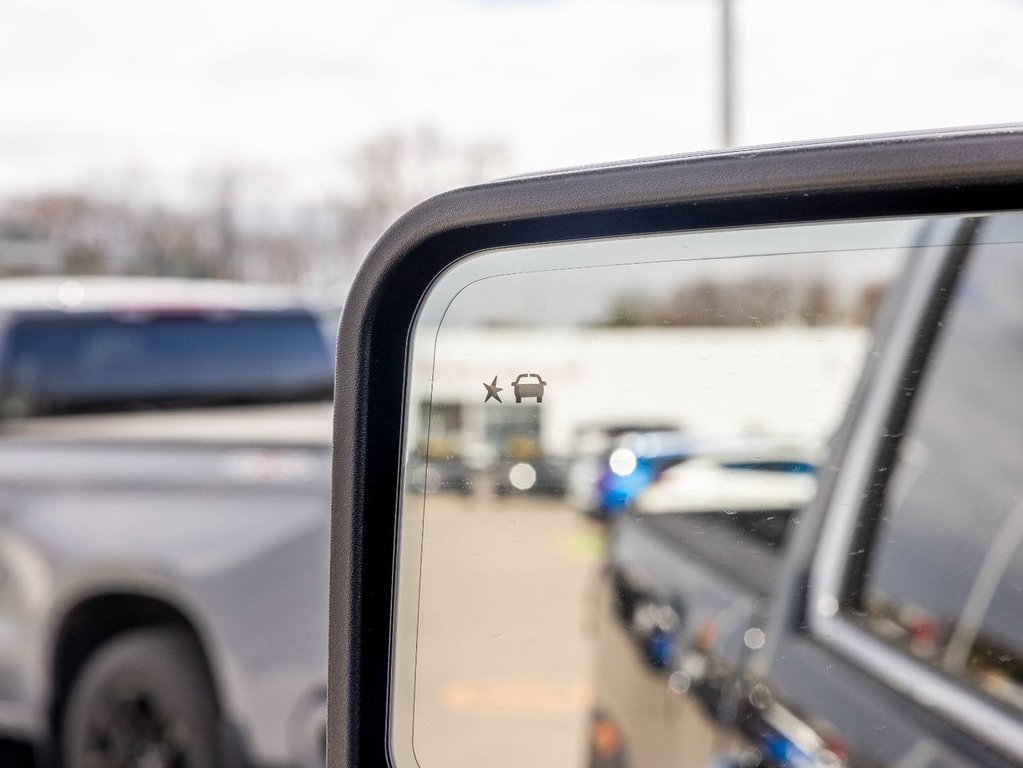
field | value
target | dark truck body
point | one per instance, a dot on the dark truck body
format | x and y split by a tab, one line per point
719	646
680	593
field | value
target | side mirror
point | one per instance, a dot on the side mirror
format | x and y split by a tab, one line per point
691	374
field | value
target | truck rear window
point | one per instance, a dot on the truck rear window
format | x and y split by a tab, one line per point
84	363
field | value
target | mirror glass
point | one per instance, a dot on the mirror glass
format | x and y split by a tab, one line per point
611	448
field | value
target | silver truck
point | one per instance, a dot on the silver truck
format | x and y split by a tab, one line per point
164	476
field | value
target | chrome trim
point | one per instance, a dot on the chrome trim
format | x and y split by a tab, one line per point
951	700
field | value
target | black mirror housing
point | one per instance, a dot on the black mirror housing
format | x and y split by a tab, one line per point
958	172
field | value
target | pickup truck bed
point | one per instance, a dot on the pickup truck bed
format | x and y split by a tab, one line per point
220	516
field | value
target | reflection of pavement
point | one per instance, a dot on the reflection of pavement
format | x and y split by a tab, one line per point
514	698
505	643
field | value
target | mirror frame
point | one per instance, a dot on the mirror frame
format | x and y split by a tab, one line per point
895	175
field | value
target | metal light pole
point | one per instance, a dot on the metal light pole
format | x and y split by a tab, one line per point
727	76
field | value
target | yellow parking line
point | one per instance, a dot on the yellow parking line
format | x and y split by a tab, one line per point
582	545
517	698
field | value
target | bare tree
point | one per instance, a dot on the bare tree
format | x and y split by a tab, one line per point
167	243
57	216
223	215
68	223
237	227
396	170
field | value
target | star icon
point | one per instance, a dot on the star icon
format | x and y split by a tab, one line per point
492	390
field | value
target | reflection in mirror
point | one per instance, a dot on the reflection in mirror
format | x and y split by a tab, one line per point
611	449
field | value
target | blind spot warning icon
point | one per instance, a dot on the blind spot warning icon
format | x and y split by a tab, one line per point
533	388
492	390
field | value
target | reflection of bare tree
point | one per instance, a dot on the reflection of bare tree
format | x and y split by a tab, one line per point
868	302
819	304
710	303
755	302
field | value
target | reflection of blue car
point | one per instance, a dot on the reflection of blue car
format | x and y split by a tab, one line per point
637	460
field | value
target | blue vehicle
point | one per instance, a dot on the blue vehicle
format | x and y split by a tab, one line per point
637	460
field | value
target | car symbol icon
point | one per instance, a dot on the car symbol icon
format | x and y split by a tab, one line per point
528	388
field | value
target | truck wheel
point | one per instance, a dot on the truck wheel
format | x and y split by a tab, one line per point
142	699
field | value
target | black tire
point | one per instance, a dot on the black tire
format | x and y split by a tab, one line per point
142	699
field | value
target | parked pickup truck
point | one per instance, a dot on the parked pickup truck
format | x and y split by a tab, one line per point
880	623
164	476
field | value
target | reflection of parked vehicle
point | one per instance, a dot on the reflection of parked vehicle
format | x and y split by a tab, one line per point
708	485
78	346
447	474
528	388
603	489
762	495
593	444
638	460
887	631
542	476
142	552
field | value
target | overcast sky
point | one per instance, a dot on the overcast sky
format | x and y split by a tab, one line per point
108	92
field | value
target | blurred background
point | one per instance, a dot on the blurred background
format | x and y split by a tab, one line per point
274	142
186	192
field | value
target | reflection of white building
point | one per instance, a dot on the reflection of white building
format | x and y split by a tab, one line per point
781	381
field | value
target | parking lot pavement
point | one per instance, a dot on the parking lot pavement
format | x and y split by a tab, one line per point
505	651
505	646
